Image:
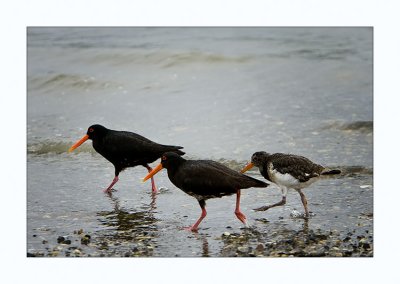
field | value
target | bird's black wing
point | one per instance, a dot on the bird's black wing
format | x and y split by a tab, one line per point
153	146
244	180
133	148
211	178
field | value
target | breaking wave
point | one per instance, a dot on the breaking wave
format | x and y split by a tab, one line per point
164	59
55	147
359	126
67	81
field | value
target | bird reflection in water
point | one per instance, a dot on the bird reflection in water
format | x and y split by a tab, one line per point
204	243
127	224
305	226
152	208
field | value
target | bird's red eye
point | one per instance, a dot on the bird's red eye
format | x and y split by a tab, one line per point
91	129
163	158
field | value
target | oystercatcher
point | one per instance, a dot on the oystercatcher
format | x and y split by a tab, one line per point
125	149
288	171
205	179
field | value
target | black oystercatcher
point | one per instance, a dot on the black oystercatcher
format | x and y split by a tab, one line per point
125	149
288	171
204	179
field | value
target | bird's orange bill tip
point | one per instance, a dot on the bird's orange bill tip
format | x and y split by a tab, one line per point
78	143
153	172
247	167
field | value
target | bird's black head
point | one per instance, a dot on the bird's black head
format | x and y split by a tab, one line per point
171	159
258	158
96	131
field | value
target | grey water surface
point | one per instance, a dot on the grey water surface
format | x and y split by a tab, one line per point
222	93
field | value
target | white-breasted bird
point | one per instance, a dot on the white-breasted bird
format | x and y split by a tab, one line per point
288	171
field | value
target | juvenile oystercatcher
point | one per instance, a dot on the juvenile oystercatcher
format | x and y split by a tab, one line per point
125	149
205	179
288	171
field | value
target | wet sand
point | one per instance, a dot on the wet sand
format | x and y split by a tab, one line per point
133	222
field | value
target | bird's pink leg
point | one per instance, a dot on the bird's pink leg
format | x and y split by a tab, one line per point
263	208
153	185
280	203
238	213
194	227
304	200
108	190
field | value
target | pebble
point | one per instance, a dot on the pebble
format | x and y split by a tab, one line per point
346	239
337	254
80	231
260	247
60	239
302	242
295	214
85	239
242	249
365	186
54	253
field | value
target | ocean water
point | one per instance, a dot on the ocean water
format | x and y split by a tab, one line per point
223	94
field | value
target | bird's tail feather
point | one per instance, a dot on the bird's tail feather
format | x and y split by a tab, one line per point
258	183
331	172
179	152
175	149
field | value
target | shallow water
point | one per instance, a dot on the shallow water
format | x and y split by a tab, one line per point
222	94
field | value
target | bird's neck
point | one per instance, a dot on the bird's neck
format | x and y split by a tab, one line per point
264	171
174	167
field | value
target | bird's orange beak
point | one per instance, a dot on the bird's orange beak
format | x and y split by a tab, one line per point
153	172
247	167
79	143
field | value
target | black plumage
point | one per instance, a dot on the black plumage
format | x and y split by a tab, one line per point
205	179
125	149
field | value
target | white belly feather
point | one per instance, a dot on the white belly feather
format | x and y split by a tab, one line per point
288	181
